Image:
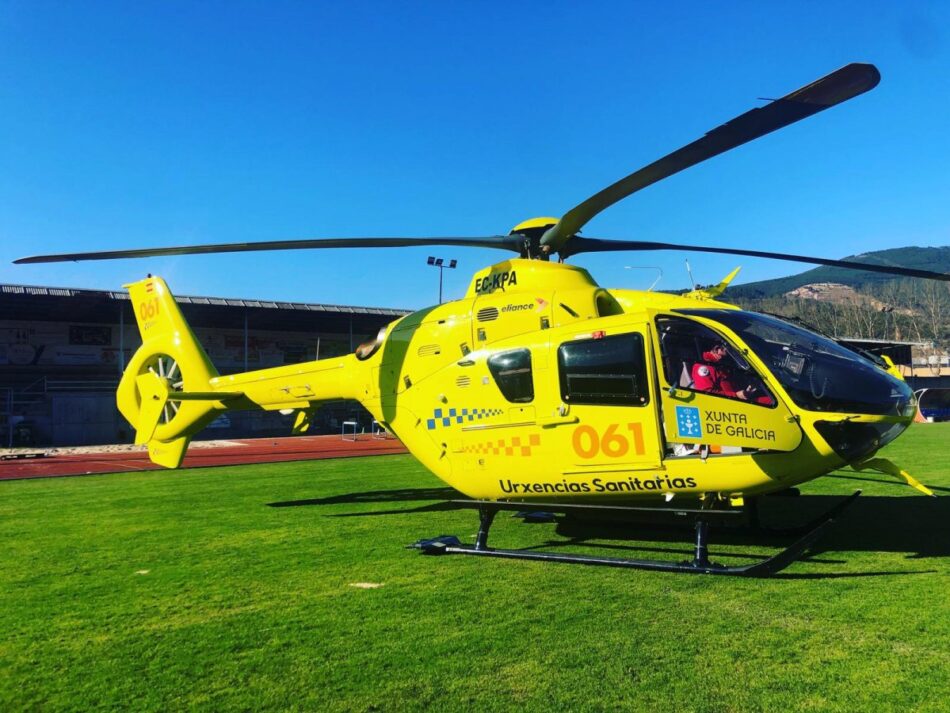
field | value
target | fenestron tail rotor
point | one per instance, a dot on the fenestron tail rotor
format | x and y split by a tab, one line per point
166	368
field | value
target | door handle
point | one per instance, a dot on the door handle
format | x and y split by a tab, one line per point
557	421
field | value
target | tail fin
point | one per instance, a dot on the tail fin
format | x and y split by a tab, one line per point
164	393
713	291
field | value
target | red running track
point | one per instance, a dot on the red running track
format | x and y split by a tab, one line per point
254	450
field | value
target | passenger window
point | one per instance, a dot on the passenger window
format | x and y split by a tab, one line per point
512	372
610	371
696	358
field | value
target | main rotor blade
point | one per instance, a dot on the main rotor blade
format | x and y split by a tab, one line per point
846	83
598	245
513	243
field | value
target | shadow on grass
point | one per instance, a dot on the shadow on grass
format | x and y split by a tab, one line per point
883	481
376	496
916	526
845	575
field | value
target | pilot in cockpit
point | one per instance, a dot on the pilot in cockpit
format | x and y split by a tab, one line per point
714	374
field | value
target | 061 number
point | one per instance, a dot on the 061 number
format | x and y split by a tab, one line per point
149	309
613	443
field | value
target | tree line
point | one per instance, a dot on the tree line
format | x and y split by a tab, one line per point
901	310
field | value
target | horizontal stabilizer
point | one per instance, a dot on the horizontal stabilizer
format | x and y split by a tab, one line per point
154	395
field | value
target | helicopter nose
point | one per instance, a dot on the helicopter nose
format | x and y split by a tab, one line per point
854	441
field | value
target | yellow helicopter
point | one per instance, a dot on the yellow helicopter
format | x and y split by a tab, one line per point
540	386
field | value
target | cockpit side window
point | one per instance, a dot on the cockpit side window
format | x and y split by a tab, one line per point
511	371
696	358
815	372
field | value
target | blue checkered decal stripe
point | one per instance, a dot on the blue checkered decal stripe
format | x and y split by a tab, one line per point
448	417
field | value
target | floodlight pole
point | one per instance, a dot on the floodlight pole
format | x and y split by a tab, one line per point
440	263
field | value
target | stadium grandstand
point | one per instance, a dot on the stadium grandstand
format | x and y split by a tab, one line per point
63	350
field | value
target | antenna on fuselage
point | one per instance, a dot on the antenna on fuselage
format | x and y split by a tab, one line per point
692	282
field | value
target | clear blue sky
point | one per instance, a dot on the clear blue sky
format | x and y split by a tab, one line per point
136	124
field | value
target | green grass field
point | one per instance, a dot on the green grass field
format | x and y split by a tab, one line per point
191	589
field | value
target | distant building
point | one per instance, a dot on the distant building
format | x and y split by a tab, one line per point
63	350
919	371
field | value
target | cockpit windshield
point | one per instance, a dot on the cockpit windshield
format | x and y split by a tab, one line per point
817	373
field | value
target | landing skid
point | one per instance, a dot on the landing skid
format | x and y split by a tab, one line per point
699	564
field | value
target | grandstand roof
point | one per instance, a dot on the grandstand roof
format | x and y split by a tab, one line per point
32	302
185	299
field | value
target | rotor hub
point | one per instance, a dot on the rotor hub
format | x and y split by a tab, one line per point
532	231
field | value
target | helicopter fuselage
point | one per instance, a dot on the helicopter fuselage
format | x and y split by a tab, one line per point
541	384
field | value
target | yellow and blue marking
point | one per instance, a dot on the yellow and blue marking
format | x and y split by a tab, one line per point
447	417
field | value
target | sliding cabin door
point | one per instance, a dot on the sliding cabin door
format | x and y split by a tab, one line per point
606	419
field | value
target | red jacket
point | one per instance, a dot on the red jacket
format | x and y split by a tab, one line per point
709	376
